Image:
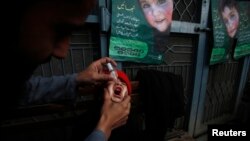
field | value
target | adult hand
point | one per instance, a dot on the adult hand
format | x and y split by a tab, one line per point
95	72
113	114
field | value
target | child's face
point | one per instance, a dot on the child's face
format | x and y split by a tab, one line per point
158	13
117	90
231	20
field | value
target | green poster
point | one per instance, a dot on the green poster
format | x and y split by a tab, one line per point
243	43
139	30
221	45
231	30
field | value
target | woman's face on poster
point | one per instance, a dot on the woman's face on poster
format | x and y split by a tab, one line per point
158	13
231	19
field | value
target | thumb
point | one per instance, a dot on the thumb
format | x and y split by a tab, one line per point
106	94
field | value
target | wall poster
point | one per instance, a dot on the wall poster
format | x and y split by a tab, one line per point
140	30
231	30
243	43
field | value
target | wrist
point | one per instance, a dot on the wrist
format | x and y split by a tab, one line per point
103	125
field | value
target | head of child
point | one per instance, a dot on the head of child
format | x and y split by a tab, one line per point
228	10
120	88
158	13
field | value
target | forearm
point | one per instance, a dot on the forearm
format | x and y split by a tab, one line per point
104	126
41	90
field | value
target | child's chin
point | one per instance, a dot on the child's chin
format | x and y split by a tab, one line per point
116	99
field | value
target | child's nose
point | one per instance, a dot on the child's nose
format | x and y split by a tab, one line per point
118	82
231	23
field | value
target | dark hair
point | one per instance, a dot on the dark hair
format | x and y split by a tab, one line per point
228	3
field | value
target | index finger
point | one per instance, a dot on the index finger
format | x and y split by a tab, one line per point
106	60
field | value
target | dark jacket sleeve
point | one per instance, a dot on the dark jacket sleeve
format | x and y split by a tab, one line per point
96	135
41	90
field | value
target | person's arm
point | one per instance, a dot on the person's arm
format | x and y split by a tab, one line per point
113	115
40	90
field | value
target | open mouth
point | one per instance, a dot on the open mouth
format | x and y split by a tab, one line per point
117	92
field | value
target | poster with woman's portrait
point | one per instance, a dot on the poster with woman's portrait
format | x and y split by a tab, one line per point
140	30
230	30
225	17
